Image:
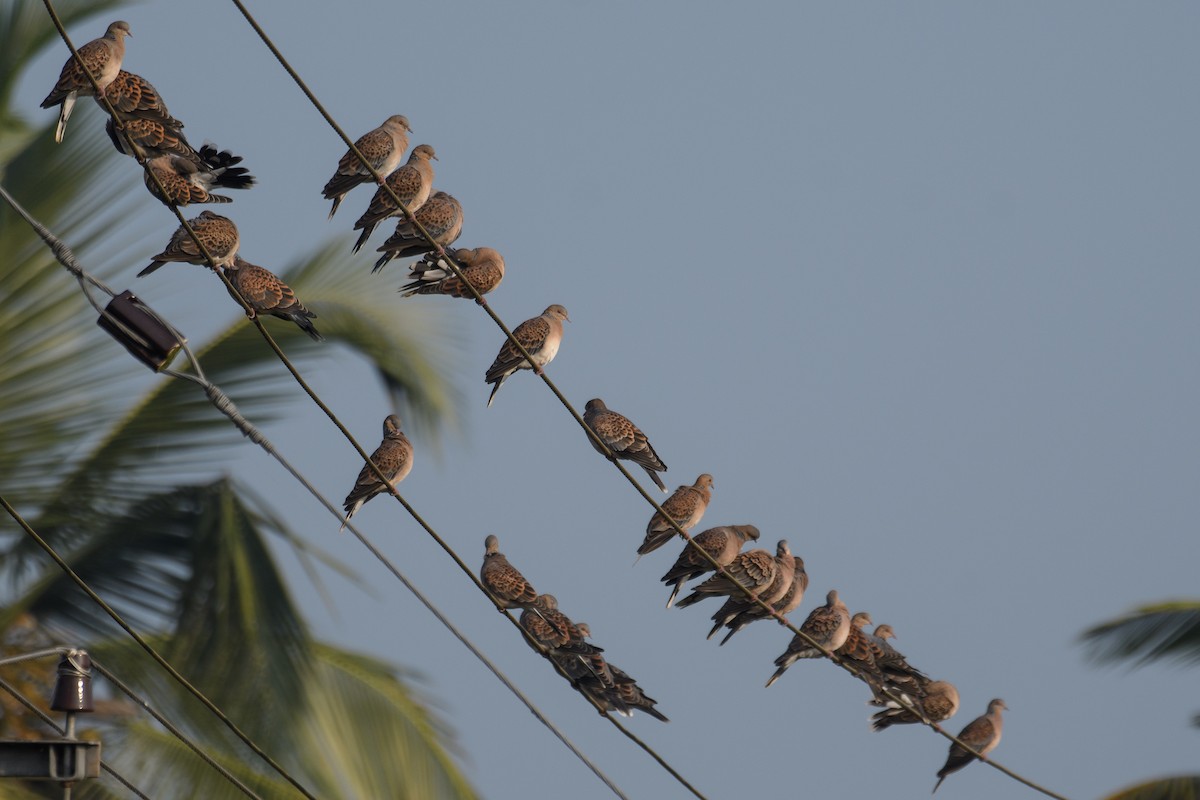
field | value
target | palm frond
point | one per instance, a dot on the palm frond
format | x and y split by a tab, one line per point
1184	787
1162	631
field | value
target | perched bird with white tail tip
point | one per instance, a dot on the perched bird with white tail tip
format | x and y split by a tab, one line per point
102	58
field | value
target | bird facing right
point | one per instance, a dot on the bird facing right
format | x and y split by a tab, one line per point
394	457
102	58
540	337
382	147
685	508
982	734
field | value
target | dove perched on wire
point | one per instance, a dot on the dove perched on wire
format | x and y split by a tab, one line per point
898	675
857	652
722	543
738	602
632	696
982	735
411	183
685	507
218	234
747	612
441	217
502	580
540	337
623	439
134	97
827	625
554	630
190	179
265	293
102	58
751	572
937	702
383	148
394	457
481	267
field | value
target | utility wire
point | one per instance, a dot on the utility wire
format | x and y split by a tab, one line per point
61	731
226	406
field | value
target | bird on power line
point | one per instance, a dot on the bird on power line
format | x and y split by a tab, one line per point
722	543
738	603
749	612
383	148
394	457
190	178
982	734
442	219
481	267
102	58
218	234
685	507
265	293
827	625
411	183
504	581
624	439
540	336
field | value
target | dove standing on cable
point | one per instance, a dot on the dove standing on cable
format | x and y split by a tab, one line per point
383	148
751	572
265	293
789	602
394	457
504	581
827	625
738	602
102	58
685	507
982	735
722	544
189	178
442	219
623	438
481	267
939	702
540	337
218	234
411	183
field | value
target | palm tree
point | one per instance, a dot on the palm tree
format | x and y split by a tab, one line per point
119	470
1168	631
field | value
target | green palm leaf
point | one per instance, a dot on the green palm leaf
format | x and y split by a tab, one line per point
1185	787
1162	631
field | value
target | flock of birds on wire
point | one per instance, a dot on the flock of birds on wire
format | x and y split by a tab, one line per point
779	581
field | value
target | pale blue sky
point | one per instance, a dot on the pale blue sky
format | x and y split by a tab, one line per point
915	282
